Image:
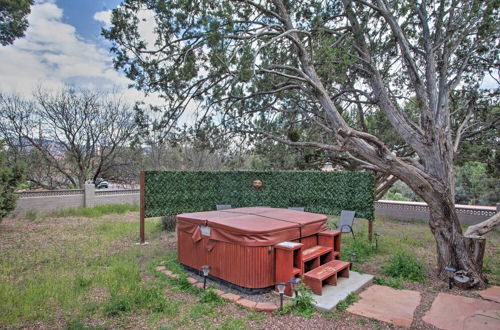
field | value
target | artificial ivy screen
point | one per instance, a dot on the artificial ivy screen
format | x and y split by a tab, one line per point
175	192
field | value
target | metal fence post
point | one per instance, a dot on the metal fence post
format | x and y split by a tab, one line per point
142	213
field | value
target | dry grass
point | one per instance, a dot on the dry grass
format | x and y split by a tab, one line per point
80	272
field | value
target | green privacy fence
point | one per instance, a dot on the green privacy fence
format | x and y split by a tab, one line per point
175	192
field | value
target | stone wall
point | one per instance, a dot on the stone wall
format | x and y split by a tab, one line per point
467	214
44	201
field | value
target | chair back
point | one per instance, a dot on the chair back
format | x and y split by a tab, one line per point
346	218
296	208
222	207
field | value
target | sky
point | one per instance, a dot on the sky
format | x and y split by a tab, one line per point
63	46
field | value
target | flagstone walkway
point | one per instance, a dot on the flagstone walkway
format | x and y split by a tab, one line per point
447	311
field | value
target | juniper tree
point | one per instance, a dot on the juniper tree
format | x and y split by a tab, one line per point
249	60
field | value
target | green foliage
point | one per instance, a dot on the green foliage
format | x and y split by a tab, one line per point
168	222
475	186
210	297
394	283
348	301
10	178
302	304
95	211
13	20
361	246
78	324
174	192
404	265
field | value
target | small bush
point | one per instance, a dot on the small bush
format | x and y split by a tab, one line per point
404	265
392	282
302	304
348	301
168	222
362	247
118	304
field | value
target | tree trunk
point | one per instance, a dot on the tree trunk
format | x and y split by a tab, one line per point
454	249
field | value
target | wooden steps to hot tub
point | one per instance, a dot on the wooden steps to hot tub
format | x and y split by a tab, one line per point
326	273
316	259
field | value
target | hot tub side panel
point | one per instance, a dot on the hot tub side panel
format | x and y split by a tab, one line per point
246	266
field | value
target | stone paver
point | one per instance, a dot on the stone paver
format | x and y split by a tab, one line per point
160	268
246	303
231	296
266	307
198	285
453	312
387	304
332	295
483	320
191	280
492	293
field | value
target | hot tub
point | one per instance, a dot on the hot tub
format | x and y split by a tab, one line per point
237	244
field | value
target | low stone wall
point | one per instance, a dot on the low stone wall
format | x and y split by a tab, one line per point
467	214
44	201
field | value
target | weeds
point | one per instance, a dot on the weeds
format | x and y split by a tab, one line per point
95	211
210	297
302	304
395	283
348	301
405	266
31	215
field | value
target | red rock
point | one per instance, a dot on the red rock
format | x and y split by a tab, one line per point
191	280
387	304
231	296
454	312
246	303
492	293
266	307
484	320
219	292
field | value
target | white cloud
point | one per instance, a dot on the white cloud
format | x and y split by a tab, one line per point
103	17
52	54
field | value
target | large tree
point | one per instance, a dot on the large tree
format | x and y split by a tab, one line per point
13	20
68	136
319	61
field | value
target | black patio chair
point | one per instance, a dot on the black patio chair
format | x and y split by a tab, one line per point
346	221
296	208
222	207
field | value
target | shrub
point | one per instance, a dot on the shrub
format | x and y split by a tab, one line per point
404	265
10	178
360	246
302	304
392	282
168	222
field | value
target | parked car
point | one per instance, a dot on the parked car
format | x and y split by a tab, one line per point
101	183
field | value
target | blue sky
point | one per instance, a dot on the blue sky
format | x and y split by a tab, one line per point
80	14
63	46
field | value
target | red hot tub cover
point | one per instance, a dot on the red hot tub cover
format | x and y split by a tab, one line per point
251	226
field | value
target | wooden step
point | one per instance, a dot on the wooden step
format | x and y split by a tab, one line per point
315	252
326	273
